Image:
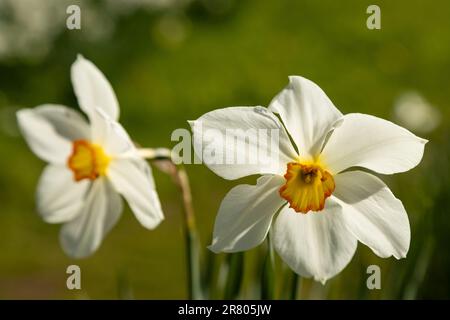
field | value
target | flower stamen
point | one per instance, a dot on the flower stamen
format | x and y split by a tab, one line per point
88	161
307	186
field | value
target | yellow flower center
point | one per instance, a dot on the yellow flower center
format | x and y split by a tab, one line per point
307	186
88	161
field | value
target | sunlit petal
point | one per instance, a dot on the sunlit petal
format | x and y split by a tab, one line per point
315	245
373	143
59	198
134	180
373	214
92	89
83	235
308	114
245	215
50	129
243	122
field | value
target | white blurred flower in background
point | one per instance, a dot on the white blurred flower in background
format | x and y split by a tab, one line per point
89	165
414	112
28	28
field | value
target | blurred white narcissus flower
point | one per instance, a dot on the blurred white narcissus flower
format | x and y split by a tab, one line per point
325	203
415	113
90	164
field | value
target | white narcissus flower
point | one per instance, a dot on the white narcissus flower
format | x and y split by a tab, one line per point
325	203
414	112
90	164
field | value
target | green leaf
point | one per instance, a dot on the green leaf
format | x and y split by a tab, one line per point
268	273
235	263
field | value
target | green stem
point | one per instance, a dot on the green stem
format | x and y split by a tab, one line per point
124	289
162	158
192	242
294	286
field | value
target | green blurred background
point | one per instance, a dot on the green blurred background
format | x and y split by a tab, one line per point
170	61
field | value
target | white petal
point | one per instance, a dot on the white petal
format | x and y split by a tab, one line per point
50	129
373	214
59	197
110	134
83	235
245	215
373	143
133	179
314	244
307	113
67	122
227	132
93	89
